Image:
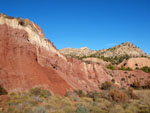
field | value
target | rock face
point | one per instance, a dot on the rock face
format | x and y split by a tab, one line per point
125	49
136	63
73	52
22	49
28	60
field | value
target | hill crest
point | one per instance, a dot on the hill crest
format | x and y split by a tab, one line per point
124	49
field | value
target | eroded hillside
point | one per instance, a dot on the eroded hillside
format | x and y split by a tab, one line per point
28	60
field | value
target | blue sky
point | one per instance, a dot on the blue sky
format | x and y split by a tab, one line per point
96	24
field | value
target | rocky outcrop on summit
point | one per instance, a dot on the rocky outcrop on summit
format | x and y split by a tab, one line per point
125	49
28	60
74	52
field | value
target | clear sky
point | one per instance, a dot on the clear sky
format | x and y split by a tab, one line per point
96	24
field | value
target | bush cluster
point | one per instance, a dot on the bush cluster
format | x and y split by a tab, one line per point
106	85
2	91
136	85
125	69
80	93
113	60
82	109
146	69
118	96
116	59
40	92
115	101
110	66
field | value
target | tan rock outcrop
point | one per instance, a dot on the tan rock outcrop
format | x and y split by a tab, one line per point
136	63
74	52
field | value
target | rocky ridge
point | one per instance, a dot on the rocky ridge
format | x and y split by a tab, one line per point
77	52
124	49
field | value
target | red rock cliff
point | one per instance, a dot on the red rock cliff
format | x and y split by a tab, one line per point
28	60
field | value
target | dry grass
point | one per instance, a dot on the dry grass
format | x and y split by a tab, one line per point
143	95
35	102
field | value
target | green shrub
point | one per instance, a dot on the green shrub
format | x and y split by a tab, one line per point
84	101
96	109
116	59
69	109
3	91
146	69
125	69
40	92
80	93
82	109
72	95
113	60
110	66
66	102
94	95
106	85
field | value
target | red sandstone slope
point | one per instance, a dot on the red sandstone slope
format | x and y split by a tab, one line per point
28	60
19	67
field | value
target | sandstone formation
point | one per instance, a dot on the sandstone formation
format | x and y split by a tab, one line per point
22	50
136	63
28	60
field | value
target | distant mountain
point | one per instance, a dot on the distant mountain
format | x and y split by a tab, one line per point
124	49
75	52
